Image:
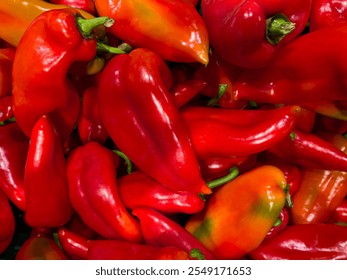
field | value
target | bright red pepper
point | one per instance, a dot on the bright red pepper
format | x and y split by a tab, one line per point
218	132
112	249
45	180
93	191
160	230
13	154
54	40
143	120
239	214
325	13
185	91
86	5
7	222
305	242
248	33
172	29
299	73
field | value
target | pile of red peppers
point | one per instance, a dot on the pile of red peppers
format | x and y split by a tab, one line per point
173	129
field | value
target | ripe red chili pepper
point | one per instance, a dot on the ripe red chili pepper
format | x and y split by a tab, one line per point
93	191
179	22
86	5
305	242
160	230
45	181
112	249
325	13
239	214
299	74
13	154
184	91
143	120
248	33
57	38
7	222
217	132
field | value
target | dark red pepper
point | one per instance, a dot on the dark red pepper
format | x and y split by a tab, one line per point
7	222
339	215
6	62
281	222
6	111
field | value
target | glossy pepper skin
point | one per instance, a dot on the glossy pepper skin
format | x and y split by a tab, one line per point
138	190
45	181
112	249
93	192
160	230
339	215
145	23
238	215
143	120
40	81
218	132
239	30
14	147
305	242
325	13
7	222
299	73
320	191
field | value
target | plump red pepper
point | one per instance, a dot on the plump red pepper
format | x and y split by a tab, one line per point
172	29
300	74
248	33
13	150
325	13
7	222
305	242
160	230
218	132
45	180
321	191
40	81
93	191
239	214
112	249
86	5
143	120
310	150
6	61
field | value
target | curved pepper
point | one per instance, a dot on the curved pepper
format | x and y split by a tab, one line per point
112	249
45	181
143	120
7	222
14	147
93	191
325	13
238	215
248	33
160	230
299	73
305	242
54	40
320	191
218	132
172	29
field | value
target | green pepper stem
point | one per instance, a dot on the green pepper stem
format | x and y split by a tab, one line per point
10	120
221	91
196	254
277	27
86	26
233	173
126	159
289	202
101	47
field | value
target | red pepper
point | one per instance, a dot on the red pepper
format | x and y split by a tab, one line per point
112	249
281	223
331	124
137	189
299	73
160	230
217	132
7	222
13	150
305	242
184	91
309	150
86	5
45	181
41	86
6	62
93	191
172	29
6	111
249	33
143	120
325	13
339	215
